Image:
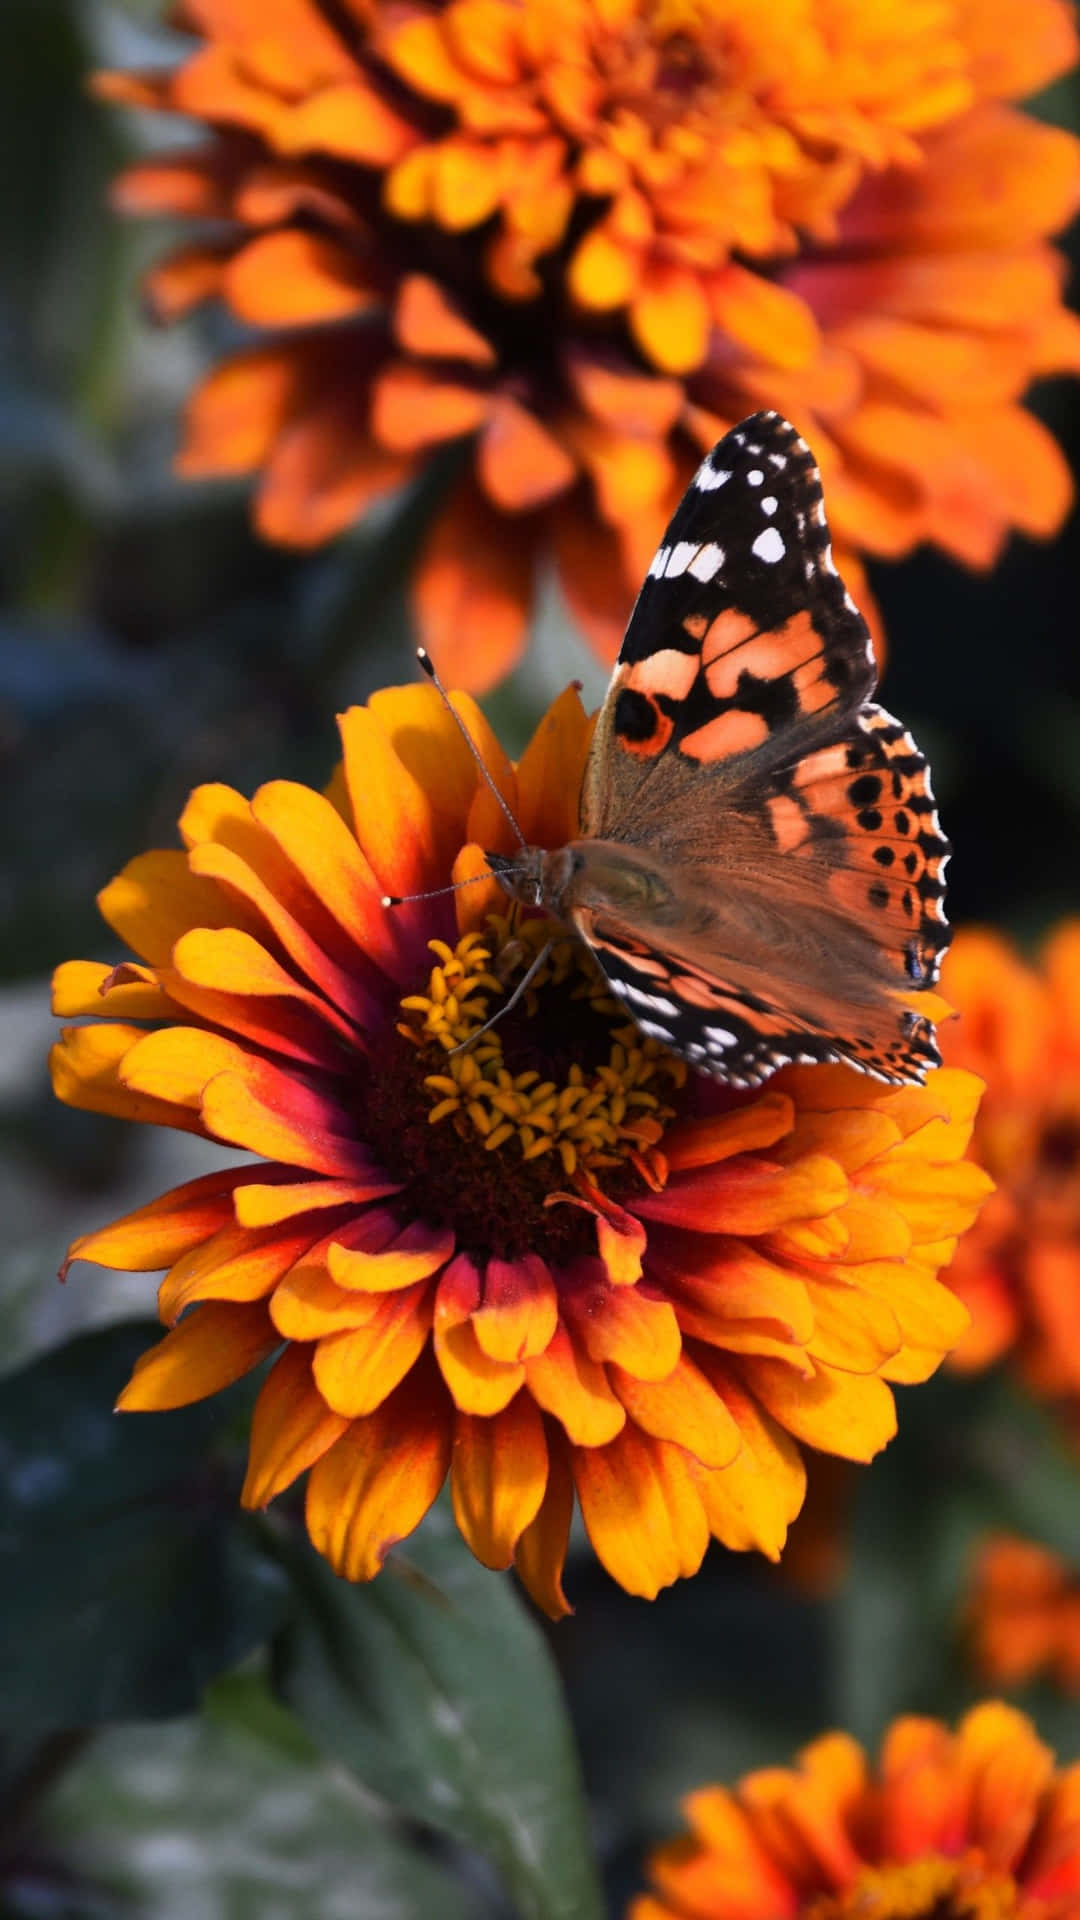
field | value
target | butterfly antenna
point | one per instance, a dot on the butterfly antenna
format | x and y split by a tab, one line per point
427	665
434	893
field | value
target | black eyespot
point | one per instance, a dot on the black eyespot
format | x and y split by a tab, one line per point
911	862
884	856
878	894
902	821
635	716
865	790
869	819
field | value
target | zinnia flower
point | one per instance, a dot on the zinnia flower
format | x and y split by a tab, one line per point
1019	1273
585	239
1023	1614
552	1263
971	1825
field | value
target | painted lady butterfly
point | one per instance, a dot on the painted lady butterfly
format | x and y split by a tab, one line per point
759	872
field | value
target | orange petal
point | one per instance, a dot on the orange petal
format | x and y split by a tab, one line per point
428	324
314	838
324	472
350	121
478	1384
541	1550
86	987
642	1511
235	1265
669	317
550	772
214	1345
271	1113
157	898
520	1310
749	1197
189	185
847	1414
85	1067
624	1324
412	409
393	815
176	1063
700	1143
153	1236
566	1383
498	1475
291	1428
770	321
631	402
183	281
519	463
593	576
378	1481
472	591
685	1408
295	278
416	1253
751	1503
355	1371
236	414
256	1205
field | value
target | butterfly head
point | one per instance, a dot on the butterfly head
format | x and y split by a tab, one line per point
536	877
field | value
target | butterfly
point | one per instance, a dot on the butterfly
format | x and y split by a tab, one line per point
759	870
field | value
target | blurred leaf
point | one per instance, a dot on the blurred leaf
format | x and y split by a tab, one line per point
438	1691
130	1580
972	1458
234	1815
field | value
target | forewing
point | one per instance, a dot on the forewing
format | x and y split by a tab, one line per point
792	819
744	647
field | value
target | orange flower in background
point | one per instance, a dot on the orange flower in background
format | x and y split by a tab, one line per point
1023	1614
971	1825
1019	1272
552	1264
584	238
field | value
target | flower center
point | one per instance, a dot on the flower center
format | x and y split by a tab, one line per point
932	1888
561	1090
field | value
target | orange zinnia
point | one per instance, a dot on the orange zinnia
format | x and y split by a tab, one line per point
587	238
552	1262
971	1825
1023	1614
1019	1273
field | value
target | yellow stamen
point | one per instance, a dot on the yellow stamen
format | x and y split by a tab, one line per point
933	1888
599	1117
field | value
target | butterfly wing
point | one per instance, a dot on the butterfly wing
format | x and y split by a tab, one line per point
740	755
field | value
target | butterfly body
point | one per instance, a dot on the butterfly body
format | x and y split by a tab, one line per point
759	870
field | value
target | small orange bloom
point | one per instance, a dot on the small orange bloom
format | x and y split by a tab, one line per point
1019	1273
585	237
971	1825
1023	1614
552	1264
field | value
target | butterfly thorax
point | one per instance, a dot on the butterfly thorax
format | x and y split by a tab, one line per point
592	874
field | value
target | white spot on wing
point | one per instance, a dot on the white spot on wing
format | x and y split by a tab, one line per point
707	478
707	562
680	557
656	1033
779	461
755	477
720	1037
658	563
653	1002
769	547
769	503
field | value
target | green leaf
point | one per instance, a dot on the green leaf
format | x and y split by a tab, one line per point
232	1815
129	1577
437	1689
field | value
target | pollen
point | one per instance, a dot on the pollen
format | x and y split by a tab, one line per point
933	1888
561	1076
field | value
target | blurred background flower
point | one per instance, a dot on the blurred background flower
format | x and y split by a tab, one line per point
579	241
1023	1614
553	1264
950	1824
1019	1274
